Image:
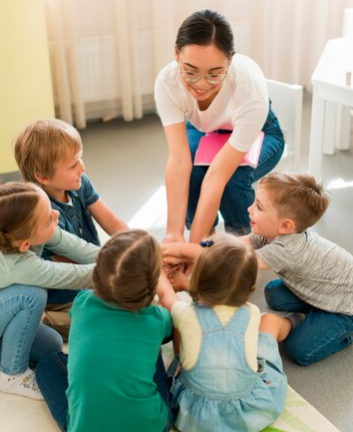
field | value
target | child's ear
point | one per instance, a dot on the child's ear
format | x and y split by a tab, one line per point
287	227
40	179
23	245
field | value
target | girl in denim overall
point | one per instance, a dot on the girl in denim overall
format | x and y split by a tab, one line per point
231	375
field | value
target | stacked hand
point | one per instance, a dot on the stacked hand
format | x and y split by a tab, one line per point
176	265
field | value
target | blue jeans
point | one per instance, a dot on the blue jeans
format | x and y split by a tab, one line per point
61	296
238	194
319	335
52	379
22	337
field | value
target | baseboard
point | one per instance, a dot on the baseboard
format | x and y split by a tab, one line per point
11	176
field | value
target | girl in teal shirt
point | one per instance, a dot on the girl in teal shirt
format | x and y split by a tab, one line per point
116	378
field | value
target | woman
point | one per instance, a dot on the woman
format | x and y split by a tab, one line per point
209	89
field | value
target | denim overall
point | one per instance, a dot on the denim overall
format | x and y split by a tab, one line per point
221	393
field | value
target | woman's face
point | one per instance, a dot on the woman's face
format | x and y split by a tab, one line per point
203	60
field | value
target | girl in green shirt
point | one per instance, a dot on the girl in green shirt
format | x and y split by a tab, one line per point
114	376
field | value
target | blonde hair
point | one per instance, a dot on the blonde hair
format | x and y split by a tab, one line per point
296	196
42	145
18	203
224	273
128	268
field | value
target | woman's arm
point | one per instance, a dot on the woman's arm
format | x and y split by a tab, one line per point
220	171
106	218
178	172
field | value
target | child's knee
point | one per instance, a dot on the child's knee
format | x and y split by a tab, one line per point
270	293
268	319
49	339
33	297
302	355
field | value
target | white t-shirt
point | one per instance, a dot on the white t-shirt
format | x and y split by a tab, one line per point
241	105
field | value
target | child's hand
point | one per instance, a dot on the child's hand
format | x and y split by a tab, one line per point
173	253
179	281
166	292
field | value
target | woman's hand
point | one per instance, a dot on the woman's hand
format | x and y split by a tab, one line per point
173	238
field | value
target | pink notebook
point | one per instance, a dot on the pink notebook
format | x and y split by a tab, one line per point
212	143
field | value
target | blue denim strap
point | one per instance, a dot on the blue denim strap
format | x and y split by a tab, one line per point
239	321
207	318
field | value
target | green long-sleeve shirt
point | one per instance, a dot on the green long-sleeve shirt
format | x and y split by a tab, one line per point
30	269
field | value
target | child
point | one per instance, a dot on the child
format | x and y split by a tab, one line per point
49	153
316	276
27	222
231	377
114	346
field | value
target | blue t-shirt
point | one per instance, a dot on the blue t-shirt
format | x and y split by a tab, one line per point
75	216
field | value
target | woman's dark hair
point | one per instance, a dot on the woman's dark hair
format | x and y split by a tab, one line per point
204	28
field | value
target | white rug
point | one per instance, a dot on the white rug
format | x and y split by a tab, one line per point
19	414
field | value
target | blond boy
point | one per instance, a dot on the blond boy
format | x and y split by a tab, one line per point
316	276
49	153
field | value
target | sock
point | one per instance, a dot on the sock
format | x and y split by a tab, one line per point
295	317
24	384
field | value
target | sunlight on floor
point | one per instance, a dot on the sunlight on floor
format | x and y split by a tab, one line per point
339	184
153	214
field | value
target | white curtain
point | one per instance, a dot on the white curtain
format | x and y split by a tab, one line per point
105	54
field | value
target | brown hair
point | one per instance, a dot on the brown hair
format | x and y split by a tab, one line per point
224	273
128	268
296	196
18	202
42	145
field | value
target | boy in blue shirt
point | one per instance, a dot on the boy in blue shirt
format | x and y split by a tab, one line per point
49	153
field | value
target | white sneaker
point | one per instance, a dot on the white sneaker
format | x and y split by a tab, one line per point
24	384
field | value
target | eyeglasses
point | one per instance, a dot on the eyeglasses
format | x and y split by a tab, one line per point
193	77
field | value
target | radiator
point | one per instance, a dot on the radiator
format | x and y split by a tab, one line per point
98	73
